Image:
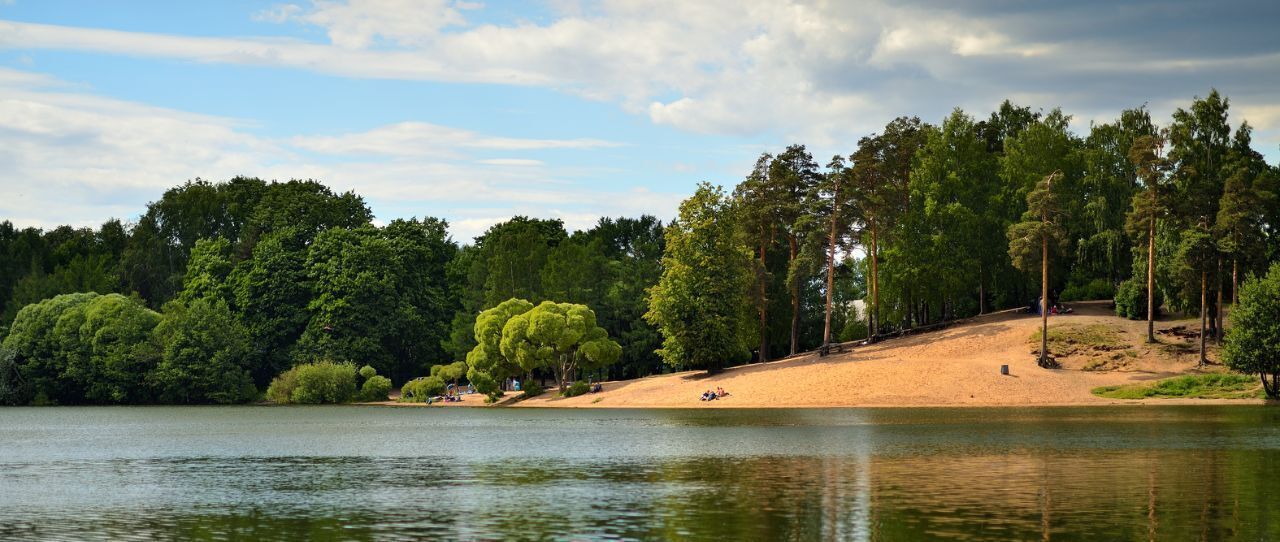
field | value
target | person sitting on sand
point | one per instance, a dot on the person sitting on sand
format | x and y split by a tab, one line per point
720	392
706	395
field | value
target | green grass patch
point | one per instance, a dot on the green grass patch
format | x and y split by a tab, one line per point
1065	340
1206	386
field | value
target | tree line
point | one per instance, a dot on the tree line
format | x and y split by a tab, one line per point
916	225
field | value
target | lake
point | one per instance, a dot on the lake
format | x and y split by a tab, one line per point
356	473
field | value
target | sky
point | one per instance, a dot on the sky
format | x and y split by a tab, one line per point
475	111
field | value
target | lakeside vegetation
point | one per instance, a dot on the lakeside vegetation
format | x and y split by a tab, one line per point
220	288
1205	386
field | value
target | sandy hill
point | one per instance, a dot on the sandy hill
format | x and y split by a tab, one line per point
956	366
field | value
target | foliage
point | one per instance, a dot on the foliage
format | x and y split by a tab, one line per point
375	388
1253	341
700	302
531	389
1204	386
421	389
1095	289
315	383
562	337
367	372
205	355
577	388
487	365
1131	298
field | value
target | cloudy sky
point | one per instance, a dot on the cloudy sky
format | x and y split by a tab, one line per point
476	110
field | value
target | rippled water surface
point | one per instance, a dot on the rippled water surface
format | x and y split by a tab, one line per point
1120	473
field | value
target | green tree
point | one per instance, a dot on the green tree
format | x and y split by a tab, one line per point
1029	242
272	290
1148	206
562	337
487	366
1197	254
1253	342
205	354
37	369
700	303
207	271
881	177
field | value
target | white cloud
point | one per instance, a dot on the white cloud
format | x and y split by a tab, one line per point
425	139
817	71
73	157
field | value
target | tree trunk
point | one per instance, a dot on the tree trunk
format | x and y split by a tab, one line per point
764	304
1218	306
873	315
1235	282
982	292
1151	282
831	267
1204	313
1044	302
795	297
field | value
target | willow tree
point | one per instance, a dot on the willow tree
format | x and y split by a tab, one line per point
1147	156
487	366
1029	245
562	337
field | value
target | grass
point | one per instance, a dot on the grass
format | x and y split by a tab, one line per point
1205	386
1066	340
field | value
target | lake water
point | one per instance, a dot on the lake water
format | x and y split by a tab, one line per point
1118	473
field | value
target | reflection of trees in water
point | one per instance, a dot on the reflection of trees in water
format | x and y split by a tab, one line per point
1016	494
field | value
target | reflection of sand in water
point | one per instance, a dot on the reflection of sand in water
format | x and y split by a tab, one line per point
1090	495
956	366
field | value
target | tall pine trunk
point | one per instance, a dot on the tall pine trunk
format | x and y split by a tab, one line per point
831	267
795	296
873	315
1218	306
764	304
1044	301
1235	282
1204	313
1151	282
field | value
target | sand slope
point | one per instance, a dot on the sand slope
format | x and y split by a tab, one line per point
957	366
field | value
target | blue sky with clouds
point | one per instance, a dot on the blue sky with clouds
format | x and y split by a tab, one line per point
475	111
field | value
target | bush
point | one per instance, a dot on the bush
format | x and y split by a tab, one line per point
532	389
418	390
1131	299
577	388
1253	342
315	383
367	372
375	388
1095	289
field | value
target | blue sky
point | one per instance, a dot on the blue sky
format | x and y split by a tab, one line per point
475	111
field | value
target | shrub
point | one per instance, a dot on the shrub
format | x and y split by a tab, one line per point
577	388
375	388
367	372
1095	289
315	383
532	389
418	390
1131	299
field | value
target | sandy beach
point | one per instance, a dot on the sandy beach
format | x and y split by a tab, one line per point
957	366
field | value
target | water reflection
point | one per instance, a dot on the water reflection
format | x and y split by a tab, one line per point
904	476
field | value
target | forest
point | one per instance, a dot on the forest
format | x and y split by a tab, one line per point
218	287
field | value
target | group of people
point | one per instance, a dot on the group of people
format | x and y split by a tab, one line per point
713	395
